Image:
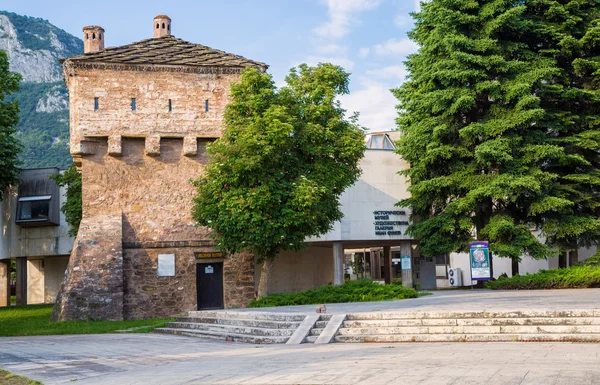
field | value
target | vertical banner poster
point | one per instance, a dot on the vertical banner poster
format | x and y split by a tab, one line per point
479	253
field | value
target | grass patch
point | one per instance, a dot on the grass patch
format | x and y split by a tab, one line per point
34	320
7	378
576	277
354	291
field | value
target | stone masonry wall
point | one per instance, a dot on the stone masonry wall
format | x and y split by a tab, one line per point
93	285
152	91
141	164
147	295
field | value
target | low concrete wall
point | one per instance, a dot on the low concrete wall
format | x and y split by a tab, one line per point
298	271
35	281
4	283
54	272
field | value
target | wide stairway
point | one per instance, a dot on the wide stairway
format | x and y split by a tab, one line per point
497	326
248	327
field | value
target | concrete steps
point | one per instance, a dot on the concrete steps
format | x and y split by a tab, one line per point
317	329
554	326
231	337
246	327
310	339
241	322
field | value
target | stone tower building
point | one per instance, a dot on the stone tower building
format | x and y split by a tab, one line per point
141	117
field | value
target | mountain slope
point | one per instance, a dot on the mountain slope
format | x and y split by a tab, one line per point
34	47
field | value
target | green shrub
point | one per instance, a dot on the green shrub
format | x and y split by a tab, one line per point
594	261
354	291
575	277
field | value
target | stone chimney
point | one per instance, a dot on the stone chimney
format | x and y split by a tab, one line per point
93	39
162	26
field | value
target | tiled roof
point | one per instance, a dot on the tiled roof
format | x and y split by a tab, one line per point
166	50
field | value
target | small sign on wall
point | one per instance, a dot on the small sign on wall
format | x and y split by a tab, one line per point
166	265
406	265
208	255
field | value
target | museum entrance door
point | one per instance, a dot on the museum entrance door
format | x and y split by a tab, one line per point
209	285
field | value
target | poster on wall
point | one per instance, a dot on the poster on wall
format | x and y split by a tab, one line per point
479	253
406	262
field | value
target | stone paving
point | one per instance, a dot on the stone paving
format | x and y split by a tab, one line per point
152	359
160	360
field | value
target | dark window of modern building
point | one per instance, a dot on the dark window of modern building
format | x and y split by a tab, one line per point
38	198
170	106
206	105
34	208
133	105
96	104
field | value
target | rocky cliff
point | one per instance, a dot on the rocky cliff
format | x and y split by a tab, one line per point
34	47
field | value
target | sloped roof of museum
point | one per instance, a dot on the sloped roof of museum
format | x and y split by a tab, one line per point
167	50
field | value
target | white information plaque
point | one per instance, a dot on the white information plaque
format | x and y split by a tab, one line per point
166	265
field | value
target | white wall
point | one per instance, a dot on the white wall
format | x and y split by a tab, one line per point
378	189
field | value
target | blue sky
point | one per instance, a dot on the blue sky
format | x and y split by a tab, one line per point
367	37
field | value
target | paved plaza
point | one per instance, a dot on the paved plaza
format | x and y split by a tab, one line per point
161	360
150	359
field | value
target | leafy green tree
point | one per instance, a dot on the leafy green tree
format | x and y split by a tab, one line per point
470	117
9	118
71	178
568	33
285	157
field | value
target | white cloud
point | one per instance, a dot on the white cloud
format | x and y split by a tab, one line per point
403	21
331	49
396	47
375	103
338	60
341	16
394	72
364	52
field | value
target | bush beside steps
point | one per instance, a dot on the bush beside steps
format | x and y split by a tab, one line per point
352	291
585	275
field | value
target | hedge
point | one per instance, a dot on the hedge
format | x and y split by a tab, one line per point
353	291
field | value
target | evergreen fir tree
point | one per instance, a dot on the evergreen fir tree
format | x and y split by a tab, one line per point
568	33
469	114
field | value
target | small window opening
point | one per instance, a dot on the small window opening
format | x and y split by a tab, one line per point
170	106
36	208
86	36
133	104
96	104
157	26
94	36
206	105
100	36
163	25
168	27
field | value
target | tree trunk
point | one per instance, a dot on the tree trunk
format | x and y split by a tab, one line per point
515	266
573	257
562	260
265	277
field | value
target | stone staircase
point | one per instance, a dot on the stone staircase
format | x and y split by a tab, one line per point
247	327
317	329
498	326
